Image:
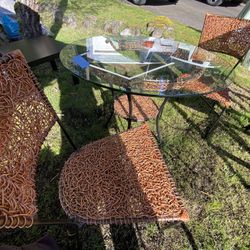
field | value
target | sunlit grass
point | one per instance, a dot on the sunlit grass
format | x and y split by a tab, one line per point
212	175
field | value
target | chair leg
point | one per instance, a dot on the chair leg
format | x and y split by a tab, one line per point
213	125
112	110
75	80
130	108
158	119
66	134
247	127
212	108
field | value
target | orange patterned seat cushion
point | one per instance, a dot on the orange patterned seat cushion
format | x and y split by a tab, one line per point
221	97
120	179
143	108
25	120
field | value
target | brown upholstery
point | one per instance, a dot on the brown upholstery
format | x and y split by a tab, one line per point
201	86
120	179
220	96
25	119
227	35
143	108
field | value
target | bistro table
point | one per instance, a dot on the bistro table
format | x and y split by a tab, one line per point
146	66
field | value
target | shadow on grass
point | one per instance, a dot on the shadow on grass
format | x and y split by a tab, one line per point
59	14
83	117
124	237
229	131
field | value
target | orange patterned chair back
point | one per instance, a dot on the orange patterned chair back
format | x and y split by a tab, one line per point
25	120
226	35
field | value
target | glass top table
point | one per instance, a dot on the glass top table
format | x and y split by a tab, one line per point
146	65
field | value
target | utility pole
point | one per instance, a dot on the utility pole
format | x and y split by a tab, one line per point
245	14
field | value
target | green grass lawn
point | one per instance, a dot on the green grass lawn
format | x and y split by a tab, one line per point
212	175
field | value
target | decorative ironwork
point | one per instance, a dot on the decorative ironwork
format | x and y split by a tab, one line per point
25	119
120	179
226	35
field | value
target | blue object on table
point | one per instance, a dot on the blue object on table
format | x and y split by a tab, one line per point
81	61
11	27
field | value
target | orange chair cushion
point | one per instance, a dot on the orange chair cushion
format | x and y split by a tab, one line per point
143	108
120	179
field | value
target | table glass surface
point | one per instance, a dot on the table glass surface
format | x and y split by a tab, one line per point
147	66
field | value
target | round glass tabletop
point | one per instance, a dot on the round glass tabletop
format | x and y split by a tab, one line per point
146	65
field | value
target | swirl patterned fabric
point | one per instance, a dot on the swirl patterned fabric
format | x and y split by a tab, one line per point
143	108
120	179
25	119
200	86
226	35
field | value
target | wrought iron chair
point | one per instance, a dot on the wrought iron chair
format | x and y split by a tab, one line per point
227	35
118	179
26	117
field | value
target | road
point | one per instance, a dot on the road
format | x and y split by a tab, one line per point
190	12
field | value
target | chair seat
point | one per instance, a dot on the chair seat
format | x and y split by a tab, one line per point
222	97
143	108
198	86
120	179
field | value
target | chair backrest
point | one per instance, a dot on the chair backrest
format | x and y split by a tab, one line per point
25	120
29	20
226	35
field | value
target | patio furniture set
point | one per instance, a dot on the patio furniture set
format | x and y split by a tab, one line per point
122	178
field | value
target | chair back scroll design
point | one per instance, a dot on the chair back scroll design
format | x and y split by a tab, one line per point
26	117
226	35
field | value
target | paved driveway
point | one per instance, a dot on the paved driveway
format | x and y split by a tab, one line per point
190	12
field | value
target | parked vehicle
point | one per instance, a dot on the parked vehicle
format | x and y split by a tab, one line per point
210	2
219	2
142	2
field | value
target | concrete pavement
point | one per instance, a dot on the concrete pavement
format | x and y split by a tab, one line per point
190	12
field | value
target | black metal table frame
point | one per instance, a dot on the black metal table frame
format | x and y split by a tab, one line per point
128	92
76	79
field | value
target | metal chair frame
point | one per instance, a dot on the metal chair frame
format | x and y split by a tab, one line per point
211	127
5	59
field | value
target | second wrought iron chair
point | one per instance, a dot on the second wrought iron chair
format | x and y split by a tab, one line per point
226	35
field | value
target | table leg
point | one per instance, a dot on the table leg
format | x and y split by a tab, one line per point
213	125
53	65
158	119
75	79
130	110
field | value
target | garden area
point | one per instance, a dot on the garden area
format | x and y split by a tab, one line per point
211	175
